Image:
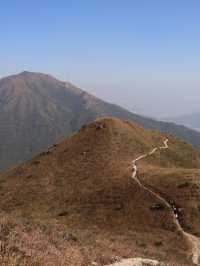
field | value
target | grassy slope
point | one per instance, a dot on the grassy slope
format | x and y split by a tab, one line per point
83	186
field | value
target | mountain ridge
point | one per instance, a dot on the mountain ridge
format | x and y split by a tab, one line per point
81	203
37	110
191	120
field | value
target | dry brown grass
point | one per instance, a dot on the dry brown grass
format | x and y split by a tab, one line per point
27	243
83	187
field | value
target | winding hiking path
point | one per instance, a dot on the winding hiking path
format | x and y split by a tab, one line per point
193	240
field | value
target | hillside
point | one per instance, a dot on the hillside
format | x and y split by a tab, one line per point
189	120
76	203
37	110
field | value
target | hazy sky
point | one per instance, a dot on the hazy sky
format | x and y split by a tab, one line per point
142	54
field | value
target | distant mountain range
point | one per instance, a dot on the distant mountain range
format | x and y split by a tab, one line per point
188	120
37	110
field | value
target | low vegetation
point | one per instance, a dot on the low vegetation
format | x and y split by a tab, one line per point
77	204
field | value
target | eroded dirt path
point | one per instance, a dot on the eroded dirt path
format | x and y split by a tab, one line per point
193	240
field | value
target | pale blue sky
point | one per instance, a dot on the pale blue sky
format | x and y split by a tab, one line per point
143	54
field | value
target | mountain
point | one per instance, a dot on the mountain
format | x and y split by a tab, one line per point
189	120
77	204
37	110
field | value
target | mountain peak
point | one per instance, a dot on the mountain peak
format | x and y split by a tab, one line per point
29	74
42	110
83	189
25	73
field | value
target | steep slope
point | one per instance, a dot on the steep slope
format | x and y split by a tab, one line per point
37	111
79	198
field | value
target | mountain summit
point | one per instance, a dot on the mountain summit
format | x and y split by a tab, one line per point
37	110
78	204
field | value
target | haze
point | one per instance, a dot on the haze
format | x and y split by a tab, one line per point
143	55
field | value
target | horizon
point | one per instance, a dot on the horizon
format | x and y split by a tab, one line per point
143	56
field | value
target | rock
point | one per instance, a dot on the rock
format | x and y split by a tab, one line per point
93	264
70	237
137	262
116	259
100	126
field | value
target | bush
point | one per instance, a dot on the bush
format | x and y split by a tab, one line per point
183	185
158	206
158	243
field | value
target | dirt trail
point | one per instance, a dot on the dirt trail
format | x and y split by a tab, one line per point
193	240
